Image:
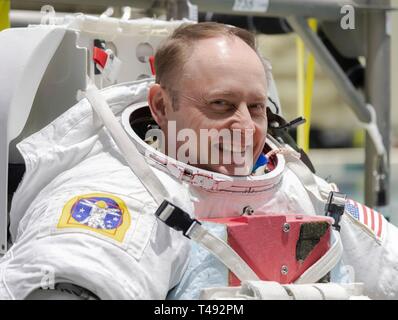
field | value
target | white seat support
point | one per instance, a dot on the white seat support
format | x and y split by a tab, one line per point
24	61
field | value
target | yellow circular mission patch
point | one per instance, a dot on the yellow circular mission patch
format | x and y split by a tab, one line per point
101	213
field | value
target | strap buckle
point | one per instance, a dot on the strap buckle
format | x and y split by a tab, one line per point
176	218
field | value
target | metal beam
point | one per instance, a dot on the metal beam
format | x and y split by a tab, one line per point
22	18
321	9
378	93
352	97
32	4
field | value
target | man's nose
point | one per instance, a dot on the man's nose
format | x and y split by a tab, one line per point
243	119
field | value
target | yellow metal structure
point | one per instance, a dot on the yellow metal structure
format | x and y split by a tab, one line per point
4	14
305	87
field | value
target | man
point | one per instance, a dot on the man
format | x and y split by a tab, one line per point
82	222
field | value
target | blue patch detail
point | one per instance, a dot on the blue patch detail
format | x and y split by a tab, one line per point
88	212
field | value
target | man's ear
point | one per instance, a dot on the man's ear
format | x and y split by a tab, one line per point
157	104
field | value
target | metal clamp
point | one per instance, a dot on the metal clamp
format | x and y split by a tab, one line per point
335	207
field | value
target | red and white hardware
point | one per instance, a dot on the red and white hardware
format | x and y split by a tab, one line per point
272	244
107	62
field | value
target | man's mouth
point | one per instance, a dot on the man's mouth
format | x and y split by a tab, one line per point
234	149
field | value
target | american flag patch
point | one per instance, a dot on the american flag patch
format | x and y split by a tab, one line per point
372	219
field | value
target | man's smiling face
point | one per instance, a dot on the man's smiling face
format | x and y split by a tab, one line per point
222	87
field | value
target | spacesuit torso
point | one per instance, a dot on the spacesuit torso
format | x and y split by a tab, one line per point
81	216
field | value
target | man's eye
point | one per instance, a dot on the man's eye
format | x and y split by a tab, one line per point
221	102
222	105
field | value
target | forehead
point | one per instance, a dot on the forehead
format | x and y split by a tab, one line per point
225	63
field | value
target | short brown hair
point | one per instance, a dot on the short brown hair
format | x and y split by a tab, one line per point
175	51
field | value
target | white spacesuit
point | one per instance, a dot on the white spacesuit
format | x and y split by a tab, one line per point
81	216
